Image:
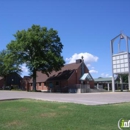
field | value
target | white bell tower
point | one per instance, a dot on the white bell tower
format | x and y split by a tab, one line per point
121	60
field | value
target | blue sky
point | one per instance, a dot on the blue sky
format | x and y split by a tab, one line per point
84	26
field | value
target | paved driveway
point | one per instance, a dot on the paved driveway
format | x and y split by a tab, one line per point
86	98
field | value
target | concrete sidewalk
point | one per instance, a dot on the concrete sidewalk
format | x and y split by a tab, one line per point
84	98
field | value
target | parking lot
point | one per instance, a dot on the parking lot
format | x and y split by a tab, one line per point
83	98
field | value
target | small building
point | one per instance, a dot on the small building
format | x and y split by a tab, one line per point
25	82
106	83
12	80
61	81
103	83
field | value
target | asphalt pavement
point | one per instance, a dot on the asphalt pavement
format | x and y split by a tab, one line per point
82	98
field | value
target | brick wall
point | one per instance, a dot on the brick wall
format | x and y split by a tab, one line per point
75	77
39	86
64	83
91	84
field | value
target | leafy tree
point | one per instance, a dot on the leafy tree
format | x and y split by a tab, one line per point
39	48
124	78
8	64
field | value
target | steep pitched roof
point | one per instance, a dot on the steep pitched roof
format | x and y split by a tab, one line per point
13	73
86	76
27	77
62	74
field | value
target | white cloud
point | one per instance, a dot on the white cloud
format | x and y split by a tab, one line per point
102	74
24	68
88	65
92	67
105	75
88	58
93	71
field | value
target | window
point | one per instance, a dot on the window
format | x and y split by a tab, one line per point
121	61
117	57
30	84
126	64
118	70
39	84
121	56
122	69
117	61
122	65
126	60
114	70
126	70
114	66
118	66
114	62
114	58
125	56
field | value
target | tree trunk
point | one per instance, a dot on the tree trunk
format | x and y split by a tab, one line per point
34	79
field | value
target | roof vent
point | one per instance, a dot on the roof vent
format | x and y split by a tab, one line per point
78	61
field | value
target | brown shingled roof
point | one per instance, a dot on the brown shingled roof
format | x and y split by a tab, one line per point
64	73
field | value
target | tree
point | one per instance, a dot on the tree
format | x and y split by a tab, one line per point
39	48
8	64
124	78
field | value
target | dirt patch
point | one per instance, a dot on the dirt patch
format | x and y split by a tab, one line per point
65	113
62	106
24	109
14	123
48	114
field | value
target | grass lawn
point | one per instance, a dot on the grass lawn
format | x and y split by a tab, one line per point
43	115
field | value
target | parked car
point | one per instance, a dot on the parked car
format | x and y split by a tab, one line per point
6	87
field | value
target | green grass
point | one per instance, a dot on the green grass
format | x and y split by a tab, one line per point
43	115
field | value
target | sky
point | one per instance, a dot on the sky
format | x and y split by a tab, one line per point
85	27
